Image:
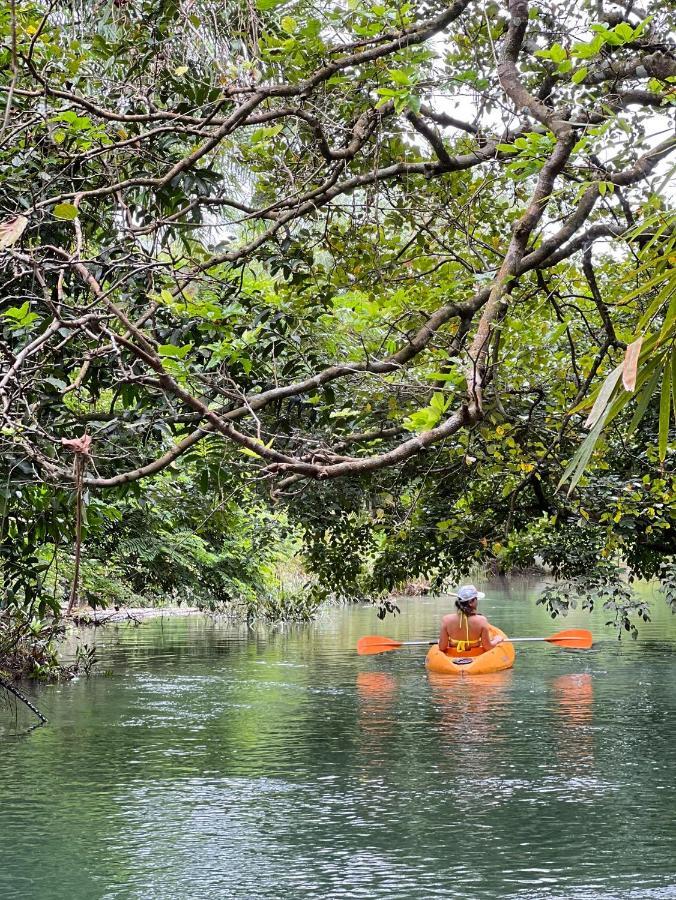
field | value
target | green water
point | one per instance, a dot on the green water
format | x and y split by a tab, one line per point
220	763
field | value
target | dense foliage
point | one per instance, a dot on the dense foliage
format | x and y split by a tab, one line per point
377	257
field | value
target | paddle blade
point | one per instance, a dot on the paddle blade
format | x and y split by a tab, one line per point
573	638
369	645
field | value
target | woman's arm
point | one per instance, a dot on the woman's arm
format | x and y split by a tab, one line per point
487	642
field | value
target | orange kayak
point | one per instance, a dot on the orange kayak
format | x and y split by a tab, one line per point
472	662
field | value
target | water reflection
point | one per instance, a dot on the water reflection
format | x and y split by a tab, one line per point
376	693
280	765
468	713
574	695
376	690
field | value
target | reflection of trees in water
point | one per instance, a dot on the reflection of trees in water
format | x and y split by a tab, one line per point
469	713
574	696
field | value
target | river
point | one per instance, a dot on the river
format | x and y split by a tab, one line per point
207	760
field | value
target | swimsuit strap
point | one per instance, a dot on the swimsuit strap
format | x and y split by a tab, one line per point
463	646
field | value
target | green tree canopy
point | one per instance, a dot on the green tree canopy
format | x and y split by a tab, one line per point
341	238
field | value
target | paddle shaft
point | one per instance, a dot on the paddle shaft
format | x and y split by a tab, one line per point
508	640
552	639
416	643
579	639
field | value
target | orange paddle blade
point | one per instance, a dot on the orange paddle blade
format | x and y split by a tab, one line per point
369	645
575	638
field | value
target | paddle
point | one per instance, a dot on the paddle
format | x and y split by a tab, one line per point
573	638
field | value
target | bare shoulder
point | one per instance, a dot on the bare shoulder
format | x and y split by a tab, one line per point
449	619
481	620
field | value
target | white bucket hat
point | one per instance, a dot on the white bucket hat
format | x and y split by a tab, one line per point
468	592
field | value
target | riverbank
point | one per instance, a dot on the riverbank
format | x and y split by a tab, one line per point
86	616
31	654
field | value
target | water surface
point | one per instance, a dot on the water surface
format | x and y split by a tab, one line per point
216	761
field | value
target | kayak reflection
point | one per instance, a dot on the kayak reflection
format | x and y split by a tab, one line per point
376	694
376	688
574	695
470	711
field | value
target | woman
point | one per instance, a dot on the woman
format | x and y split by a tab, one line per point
466	629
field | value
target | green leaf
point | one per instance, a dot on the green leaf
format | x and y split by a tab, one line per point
414	103
171	351
603	396
625	31
641	27
252	453
65	211
580	75
617	406
557	53
578	463
587	50
673	379
422	420
558	332
57	383
665	410
399	77
438	402
345	413
16	312
262	134
644	398
606	35
20	316
669	319
389	92
443	376
659	301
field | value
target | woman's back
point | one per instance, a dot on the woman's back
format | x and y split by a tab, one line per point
461	627
466	629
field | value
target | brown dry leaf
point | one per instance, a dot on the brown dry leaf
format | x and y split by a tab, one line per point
630	366
79	445
11	230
